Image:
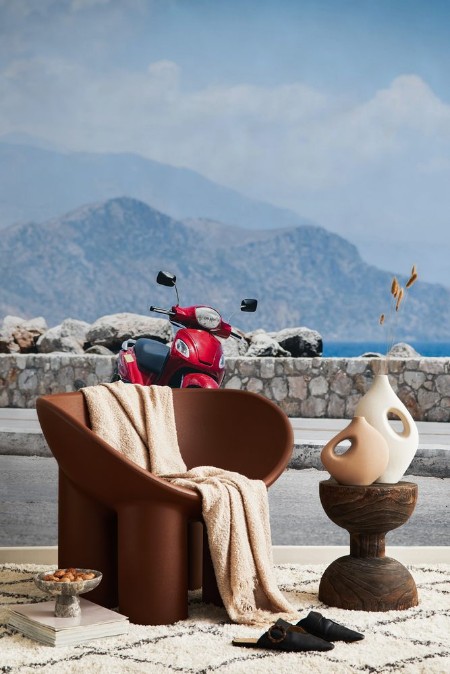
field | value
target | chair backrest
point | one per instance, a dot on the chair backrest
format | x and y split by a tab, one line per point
231	429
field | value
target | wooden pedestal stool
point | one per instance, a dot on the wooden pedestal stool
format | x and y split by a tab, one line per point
367	580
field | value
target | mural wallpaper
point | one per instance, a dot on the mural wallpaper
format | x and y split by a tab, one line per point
293	151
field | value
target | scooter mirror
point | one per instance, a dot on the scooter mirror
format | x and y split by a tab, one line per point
249	305
165	278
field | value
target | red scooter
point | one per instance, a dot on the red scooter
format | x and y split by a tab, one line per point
194	360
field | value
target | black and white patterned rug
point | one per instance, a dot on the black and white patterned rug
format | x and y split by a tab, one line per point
412	641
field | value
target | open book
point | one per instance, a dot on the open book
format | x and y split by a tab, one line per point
38	622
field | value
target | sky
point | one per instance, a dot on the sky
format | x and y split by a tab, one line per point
336	109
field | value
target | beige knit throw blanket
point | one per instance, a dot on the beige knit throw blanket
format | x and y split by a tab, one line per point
139	421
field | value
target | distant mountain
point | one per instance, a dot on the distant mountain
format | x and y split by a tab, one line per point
37	183
103	258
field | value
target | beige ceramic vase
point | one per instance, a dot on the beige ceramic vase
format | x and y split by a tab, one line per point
364	461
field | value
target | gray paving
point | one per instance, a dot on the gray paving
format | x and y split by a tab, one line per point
28	498
297	517
28	510
28	486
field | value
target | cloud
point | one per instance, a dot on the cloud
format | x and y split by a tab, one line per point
291	144
291	126
26	8
79	5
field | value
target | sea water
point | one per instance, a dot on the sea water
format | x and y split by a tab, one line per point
353	349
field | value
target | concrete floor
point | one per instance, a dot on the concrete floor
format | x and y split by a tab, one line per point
28	511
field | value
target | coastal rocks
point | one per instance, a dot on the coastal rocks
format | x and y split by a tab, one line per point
233	348
69	336
402	350
19	335
106	335
291	342
111	331
99	350
263	345
299	342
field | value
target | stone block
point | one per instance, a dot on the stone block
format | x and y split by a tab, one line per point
104	368
318	386
336	407
254	385
27	380
427	399
248	366
297	387
267	368
443	384
439	414
409	399
279	388
302	364
431	365
350	405
357	366
395	365
234	382
341	383
414	379
313	407
291	408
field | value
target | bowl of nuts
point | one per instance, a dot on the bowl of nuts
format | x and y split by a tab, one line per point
66	585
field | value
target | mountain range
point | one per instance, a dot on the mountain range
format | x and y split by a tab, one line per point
103	258
38	183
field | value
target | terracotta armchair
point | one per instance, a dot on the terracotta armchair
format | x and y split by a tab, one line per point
142	532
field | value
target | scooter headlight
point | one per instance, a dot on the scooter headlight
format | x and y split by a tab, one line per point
182	348
207	317
222	362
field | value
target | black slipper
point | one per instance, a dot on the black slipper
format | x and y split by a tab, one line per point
316	624
283	636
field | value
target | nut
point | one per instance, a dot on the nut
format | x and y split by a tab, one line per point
70	575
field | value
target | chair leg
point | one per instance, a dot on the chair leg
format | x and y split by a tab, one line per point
195	534
87	538
210	590
153	563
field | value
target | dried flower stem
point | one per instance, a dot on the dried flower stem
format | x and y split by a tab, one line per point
398	297
412	279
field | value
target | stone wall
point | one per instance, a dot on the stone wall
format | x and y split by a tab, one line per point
24	377
332	387
303	387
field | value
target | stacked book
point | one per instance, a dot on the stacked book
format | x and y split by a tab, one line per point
38	622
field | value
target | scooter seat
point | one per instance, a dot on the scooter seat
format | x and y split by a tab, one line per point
151	355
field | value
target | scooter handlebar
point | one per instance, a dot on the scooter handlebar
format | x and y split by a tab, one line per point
158	310
235	335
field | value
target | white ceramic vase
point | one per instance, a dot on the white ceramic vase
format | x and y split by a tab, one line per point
375	406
